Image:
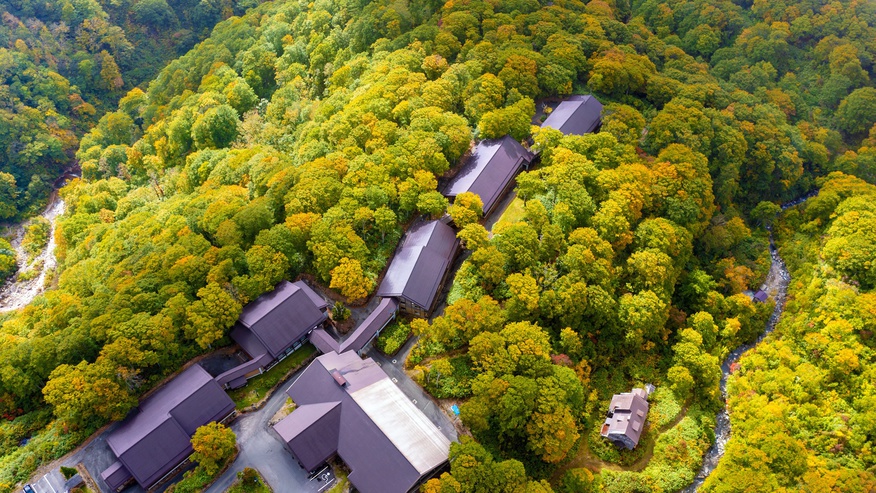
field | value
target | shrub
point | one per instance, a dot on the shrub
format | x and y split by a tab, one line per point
36	236
578	480
68	472
340	312
393	337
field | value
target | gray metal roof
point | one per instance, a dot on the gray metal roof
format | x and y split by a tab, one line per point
577	115
278	319
629	411
377	320
488	171
388	444
420	264
240	371
156	436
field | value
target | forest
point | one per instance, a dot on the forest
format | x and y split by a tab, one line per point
64	64
301	138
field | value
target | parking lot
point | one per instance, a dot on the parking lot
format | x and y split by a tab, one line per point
49	483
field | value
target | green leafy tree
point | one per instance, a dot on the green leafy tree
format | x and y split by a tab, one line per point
213	444
8	196
216	128
857	112
211	315
467	208
87	394
765	212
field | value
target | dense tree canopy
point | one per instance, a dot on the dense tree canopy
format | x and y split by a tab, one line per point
300	138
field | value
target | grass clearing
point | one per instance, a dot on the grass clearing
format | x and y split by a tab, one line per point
258	387
513	214
342	484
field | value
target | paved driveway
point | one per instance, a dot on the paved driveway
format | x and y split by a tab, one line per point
261	448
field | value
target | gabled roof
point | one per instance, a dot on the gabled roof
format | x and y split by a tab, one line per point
377	320
488	171
116	475
420	263
313	432
386	441
156	436
627	414
323	341
577	115
277	319
761	296
237	376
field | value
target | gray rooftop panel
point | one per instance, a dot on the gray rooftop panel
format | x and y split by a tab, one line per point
318	301
629	411
312	432
577	115
154	438
384	439
240	371
489	170
157	453
116	475
323	341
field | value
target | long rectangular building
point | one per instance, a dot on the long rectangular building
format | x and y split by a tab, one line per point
420	266
577	115
490	170
273	326
156	437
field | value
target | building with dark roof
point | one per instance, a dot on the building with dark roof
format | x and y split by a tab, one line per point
348	407
490	170
156	437
273	326
364	333
577	115
760	296
626	418
420	267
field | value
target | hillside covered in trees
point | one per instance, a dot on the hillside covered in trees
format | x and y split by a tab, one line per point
63	64
300	138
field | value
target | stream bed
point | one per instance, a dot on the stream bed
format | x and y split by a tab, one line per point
17	293
776	285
